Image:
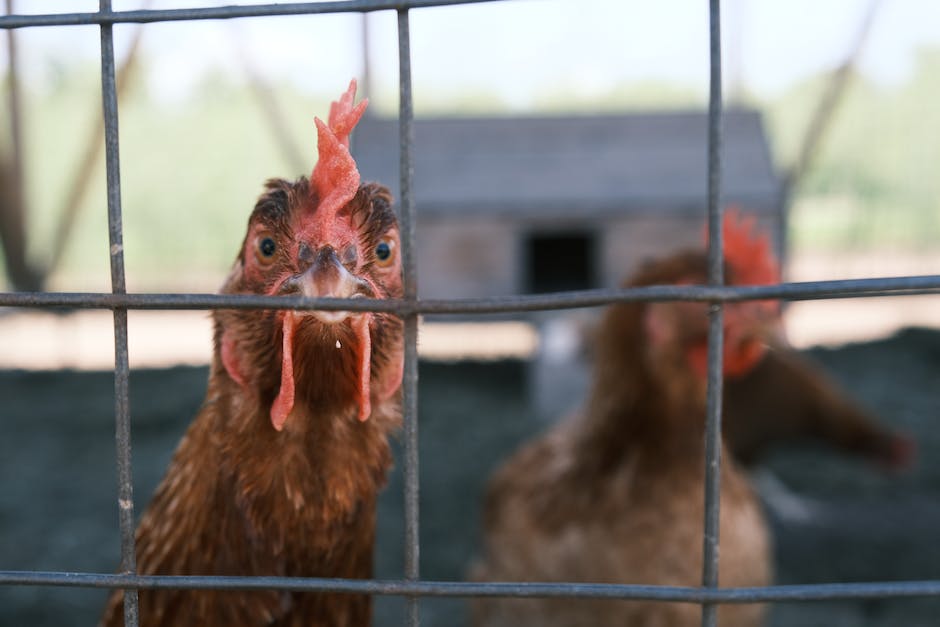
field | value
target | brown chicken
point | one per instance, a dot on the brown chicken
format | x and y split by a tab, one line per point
616	495
787	398
279	471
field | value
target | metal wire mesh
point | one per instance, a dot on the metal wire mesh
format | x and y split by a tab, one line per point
711	540
409	308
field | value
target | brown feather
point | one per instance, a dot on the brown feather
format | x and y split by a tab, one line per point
239	497
616	495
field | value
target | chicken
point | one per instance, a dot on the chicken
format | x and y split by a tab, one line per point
788	398
615	495
279	471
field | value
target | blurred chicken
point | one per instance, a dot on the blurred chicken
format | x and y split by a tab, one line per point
616	495
786	398
279	471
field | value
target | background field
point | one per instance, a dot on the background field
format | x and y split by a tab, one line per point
192	168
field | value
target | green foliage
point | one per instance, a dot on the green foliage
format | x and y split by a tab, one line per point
642	95
191	170
877	161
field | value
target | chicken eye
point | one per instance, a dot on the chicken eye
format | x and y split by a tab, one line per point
265	248
384	252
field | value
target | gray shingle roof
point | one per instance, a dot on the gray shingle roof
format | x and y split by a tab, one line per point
578	166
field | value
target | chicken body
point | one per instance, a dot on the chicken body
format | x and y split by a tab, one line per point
278	473
616	495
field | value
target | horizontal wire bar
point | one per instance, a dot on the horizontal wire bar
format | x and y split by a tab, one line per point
221	13
805	592
812	290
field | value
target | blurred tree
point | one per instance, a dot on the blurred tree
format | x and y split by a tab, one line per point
12	198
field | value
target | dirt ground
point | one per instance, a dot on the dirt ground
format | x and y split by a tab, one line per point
835	519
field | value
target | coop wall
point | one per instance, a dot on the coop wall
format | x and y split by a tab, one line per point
466	258
630	240
480	257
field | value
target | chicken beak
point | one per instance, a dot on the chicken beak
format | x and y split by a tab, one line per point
752	329
327	277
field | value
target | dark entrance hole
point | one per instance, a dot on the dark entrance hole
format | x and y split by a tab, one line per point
557	262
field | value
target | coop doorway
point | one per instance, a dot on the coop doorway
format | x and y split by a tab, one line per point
557	262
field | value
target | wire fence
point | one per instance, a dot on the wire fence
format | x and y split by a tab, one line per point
411	586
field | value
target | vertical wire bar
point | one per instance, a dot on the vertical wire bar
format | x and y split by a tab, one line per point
410	380
710	549
121	368
366	57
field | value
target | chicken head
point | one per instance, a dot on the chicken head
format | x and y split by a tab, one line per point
329	237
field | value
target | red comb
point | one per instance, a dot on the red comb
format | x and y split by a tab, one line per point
335	177
747	250
751	262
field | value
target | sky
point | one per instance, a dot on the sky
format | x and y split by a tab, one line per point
516	50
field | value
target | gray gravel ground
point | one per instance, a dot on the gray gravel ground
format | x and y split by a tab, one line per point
844	520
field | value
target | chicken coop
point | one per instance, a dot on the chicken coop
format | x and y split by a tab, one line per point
531	205
499	217
534	205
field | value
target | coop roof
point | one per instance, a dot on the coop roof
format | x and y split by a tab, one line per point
577	166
